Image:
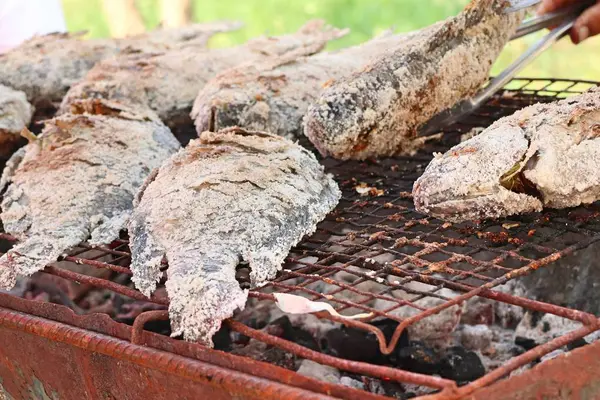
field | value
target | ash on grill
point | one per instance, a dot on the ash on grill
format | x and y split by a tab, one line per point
444	298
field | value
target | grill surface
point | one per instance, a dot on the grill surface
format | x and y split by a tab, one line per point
390	245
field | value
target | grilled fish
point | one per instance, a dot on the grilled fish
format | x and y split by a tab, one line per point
168	82
377	110
44	67
228	199
77	180
15	114
546	155
274	95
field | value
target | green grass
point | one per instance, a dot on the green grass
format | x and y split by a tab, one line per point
365	18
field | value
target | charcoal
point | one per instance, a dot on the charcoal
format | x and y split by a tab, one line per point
461	365
295	334
417	357
359	345
525	343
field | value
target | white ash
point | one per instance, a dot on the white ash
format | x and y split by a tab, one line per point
352	383
318	371
546	328
476	337
508	314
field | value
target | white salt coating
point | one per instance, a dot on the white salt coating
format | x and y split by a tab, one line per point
44	67
77	181
15	114
228	198
169	81
554	147
377	110
274	95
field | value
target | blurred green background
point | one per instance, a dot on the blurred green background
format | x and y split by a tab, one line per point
365	18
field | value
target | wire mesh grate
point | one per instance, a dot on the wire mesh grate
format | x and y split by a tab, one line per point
375	254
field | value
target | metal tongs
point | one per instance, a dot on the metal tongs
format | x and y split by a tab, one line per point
563	20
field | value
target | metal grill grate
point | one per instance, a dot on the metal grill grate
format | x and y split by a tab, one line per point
374	246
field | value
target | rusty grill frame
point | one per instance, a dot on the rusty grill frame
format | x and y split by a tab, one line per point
471	258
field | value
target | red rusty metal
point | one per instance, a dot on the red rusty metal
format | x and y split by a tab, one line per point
575	375
71	363
101	323
137	332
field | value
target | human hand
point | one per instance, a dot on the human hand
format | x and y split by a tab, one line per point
588	23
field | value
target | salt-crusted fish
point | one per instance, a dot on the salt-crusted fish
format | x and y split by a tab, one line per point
15	114
546	155
229	198
273	95
77	180
44	67
377	110
168	82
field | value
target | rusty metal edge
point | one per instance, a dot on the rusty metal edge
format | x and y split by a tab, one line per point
573	375
92	331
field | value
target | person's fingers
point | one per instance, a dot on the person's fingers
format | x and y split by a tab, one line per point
548	6
587	25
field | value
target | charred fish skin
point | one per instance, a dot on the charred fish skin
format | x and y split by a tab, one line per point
273	95
169	81
545	155
228	198
15	114
377	111
45	67
77	181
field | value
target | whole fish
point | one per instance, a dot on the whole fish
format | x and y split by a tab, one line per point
378	110
44	67
232	198
273	95
546	155
169	81
77	181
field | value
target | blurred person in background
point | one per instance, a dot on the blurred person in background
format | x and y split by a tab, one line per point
587	25
124	19
22	19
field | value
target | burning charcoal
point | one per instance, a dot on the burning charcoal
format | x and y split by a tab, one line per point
353	383
416	357
321	372
476	337
359	345
461	365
